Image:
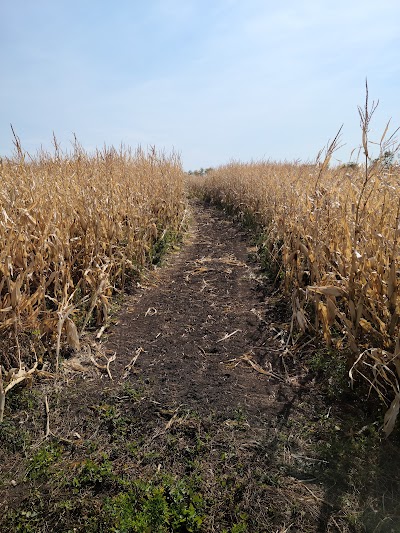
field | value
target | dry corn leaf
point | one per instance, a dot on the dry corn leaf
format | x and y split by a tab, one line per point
330	290
391	416
255	365
366	325
331	311
72	334
75	365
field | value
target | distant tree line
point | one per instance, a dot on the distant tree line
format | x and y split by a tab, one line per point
201	172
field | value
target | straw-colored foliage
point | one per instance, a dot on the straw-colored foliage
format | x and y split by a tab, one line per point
332	239
74	229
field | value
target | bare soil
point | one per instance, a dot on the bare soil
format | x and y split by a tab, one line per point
207	401
206	314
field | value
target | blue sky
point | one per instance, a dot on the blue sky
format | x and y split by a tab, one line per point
214	79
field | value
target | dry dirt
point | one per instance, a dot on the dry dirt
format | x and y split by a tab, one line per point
203	324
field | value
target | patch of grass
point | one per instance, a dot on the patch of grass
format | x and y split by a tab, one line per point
213	472
240	527
331	369
42	460
13	438
163	245
94	475
119	426
134	394
22	399
343	451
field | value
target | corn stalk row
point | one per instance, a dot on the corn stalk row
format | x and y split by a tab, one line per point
75	229
332	240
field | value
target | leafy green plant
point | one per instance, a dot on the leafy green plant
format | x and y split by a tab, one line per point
93	474
167	505
40	463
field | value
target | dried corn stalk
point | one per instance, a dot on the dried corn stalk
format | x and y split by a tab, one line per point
331	236
74	229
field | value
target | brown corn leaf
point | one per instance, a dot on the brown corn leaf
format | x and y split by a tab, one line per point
329	290
391	415
72	334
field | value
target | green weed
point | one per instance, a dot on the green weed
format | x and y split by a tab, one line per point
43	459
168	505
94	475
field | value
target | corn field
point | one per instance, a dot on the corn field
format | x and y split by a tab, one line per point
74	230
332	240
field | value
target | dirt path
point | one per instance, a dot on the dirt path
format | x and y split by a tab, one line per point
207	425
204	324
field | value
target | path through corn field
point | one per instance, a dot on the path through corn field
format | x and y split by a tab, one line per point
209	422
203	332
